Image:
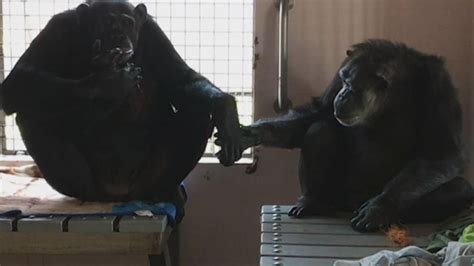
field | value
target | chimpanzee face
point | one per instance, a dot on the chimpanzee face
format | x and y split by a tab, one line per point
113	26
366	87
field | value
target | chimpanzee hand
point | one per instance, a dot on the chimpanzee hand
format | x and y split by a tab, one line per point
251	136
108	59
228	130
309	206
115	83
112	58
376	213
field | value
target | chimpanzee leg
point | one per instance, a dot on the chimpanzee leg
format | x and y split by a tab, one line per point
447	200
63	167
181	145
319	172
187	145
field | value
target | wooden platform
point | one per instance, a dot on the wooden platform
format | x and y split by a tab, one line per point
320	240
74	234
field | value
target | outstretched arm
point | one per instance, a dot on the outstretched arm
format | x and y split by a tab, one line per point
288	131
283	132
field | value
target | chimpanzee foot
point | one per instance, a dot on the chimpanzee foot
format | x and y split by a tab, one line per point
307	207
377	213
177	198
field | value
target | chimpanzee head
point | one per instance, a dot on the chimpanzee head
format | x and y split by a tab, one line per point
112	25
374	80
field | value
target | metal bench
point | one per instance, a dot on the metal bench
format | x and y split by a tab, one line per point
320	240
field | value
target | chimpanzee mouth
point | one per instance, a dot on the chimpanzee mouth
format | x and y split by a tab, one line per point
105	55
126	54
348	121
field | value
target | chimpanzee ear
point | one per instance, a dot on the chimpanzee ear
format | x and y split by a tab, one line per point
140	13
349	52
82	9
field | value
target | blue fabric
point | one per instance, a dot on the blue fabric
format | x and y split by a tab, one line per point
10	214
160	208
173	214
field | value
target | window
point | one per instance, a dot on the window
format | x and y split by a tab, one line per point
215	37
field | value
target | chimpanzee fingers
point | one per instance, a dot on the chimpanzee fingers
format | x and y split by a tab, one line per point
355	220
302	212
112	57
298	212
229	154
223	155
292	211
236	154
115	51
363	223
135	72
370	226
360	226
363	206
357	226
134	69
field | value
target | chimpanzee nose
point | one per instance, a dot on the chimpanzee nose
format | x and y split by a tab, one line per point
342	104
343	96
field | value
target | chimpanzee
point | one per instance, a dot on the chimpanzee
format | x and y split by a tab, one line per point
109	110
387	132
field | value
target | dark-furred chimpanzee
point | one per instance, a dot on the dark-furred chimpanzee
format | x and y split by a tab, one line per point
109	110
387	132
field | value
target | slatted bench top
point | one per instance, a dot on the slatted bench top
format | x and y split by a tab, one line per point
71	235
320	240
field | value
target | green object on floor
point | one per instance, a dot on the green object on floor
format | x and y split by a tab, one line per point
450	230
468	234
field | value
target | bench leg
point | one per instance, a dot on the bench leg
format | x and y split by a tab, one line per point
161	260
170	255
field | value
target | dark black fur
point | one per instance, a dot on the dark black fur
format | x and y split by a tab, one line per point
387	132
101	125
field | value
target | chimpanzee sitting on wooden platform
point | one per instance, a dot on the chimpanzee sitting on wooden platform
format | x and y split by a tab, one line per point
109	110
